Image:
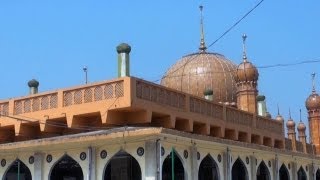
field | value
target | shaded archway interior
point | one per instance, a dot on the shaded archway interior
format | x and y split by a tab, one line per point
283	173
122	166
239	171
66	168
208	169
167	173
263	172
18	169
302	174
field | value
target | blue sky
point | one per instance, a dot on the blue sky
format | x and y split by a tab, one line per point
52	41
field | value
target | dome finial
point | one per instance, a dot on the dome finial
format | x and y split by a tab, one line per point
202	47
290	114
300	116
278	109
313	75
244	37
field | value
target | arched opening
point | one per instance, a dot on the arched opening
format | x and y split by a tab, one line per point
239	171
122	166
263	172
66	168
172	166
302	174
283	173
18	170
208	169
318	174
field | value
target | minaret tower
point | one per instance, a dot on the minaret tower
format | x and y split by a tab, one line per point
291	125
313	107
247	81
302	134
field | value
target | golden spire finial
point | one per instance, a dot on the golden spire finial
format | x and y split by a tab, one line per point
244	37
313	75
202	47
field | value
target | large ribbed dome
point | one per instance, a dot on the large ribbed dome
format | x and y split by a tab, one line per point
202	71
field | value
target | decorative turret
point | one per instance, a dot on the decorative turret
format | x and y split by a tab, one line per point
279	117
123	50
313	107
302	134
246	79
33	86
291	131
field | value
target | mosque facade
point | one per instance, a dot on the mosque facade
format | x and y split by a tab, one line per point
205	120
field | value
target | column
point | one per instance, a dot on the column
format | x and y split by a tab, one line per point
38	165
152	160
91	163
194	162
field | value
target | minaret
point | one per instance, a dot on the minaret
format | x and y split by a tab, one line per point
279	118
291	132
302	134
247	81
202	47
313	107
123	50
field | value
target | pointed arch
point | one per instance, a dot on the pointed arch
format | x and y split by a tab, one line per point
17	169
173	158
318	174
66	167
283	173
122	166
263	172
208	169
301	174
239	170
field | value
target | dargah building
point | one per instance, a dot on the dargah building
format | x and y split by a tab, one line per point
205	120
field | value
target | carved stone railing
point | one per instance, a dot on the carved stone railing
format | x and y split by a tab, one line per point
310	149
93	93
4	108
206	108
269	125
36	103
288	144
239	117
299	146
160	95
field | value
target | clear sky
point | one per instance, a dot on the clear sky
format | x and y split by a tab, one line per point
53	40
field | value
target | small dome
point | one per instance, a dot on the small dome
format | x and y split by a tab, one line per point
246	72
201	71
290	124
301	126
33	83
123	48
313	101
279	118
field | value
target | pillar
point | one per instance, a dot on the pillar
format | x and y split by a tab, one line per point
38	165
91	163
253	167
152	160
194	162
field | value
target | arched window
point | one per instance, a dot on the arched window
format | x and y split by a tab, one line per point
283	173
318	174
18	170
302	174
122	166
239	170
172	161
208	169
66	168
263	172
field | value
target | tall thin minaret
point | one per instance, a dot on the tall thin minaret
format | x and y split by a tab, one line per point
247	81
202	47
313	107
